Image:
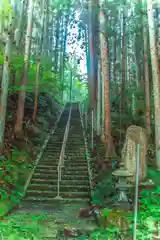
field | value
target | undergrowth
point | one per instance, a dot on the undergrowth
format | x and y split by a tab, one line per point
148	216
13	171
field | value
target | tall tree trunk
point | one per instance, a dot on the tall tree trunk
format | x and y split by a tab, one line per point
71	81
38	64
157	9
123	59
45	39
88	64
4	90
18	35
99	101
156	80
91	54
57	41
64	48
22	94
5	78
115	72
61	57
146	73
105	75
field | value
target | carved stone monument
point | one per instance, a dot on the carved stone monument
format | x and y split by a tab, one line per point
135	135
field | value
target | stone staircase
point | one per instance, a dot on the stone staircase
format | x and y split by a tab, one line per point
43	186
74	186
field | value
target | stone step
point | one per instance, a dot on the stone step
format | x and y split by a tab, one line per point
78	137
67	162
75	160
74	173
48	167
75	155
63	182
53	149
38	193
66	167
32	202
52	194
63	188
75	142
36	180
71	146
45	175
76	150
42	187
45	171
75	182
50	162
69	167
74	177
51	154
75	163
55	143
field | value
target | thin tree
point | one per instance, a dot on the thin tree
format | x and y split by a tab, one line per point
39	61
123	58
4	89
22	94
146	75
156	79
105	77
5	78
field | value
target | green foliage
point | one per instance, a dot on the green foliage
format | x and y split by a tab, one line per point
102	189
1	58
17	63
26	226
98	234
6	10
12	231
9	176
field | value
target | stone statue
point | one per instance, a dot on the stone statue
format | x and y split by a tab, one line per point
135	135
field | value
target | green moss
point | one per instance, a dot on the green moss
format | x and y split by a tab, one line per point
5	207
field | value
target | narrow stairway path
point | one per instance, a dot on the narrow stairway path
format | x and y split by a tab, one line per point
52	214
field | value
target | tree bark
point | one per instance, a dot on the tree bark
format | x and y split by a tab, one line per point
4	90
18	35
22	94
38	65
71	76
57	41
156	79
98	117
123	59
147	88
91	54
105	75
64	49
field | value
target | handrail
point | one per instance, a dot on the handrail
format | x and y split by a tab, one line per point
61	158
87	154
42	150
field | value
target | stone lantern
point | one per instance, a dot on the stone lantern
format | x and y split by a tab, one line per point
123	187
